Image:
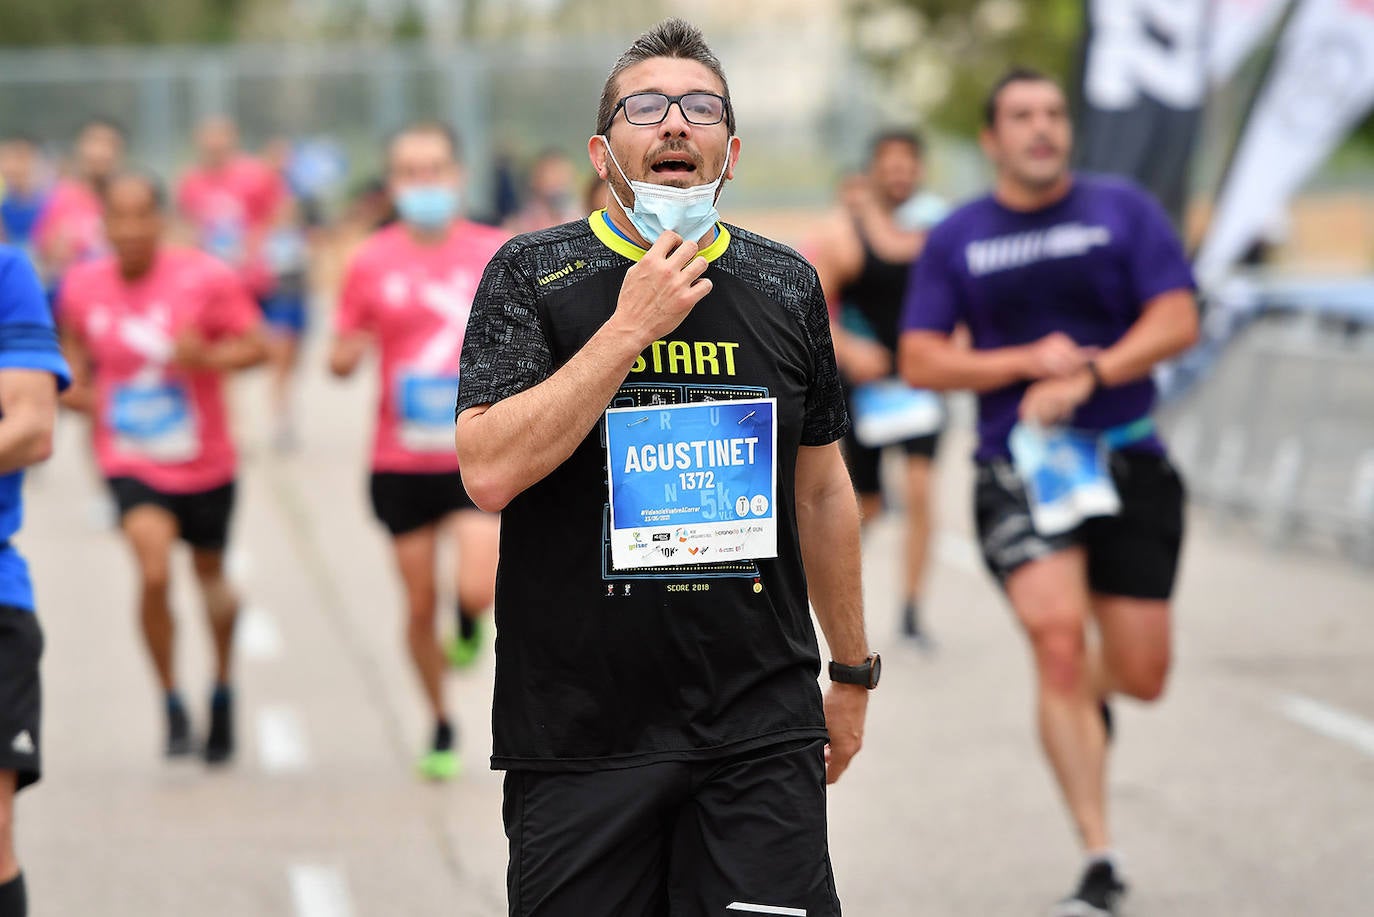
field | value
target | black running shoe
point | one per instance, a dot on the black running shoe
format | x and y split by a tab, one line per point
1099	893
179	741
219	745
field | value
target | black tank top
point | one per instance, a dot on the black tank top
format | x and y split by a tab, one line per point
877	293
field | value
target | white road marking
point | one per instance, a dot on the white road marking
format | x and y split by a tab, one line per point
767	909
319	891
238	564
959	552
1329	721
281	741
257	636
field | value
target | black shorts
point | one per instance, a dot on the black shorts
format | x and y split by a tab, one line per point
865	462
202	517
405	502
1133	554
741	835
21	696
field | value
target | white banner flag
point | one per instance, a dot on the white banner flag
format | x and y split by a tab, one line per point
1320	86
1235	31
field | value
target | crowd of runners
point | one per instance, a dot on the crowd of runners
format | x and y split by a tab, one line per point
591	339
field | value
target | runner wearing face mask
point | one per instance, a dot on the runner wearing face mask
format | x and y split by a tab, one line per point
408	292
1072	288
650	397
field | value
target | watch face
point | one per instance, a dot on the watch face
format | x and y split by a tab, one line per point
877	671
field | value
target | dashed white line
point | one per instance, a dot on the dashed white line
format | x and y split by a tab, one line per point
319	891
1329	721
282	748
257	636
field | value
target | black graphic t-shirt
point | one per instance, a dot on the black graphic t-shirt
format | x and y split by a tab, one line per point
599	667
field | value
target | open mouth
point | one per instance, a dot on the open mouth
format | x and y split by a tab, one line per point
669	166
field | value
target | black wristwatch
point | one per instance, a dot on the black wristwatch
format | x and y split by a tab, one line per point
867	673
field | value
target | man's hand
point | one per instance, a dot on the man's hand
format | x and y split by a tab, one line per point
845	708
1052	401
661	289
865	361
1054	355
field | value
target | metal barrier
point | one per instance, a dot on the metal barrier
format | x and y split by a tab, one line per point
1281	432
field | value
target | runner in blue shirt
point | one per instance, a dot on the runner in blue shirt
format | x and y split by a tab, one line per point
32	372
1072	289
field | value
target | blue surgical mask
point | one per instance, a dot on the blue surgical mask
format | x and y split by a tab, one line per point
428	207
689	212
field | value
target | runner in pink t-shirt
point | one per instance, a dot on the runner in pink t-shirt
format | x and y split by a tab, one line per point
70	230
150	334
408	291
239	209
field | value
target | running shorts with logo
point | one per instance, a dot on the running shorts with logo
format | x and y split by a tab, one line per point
739	835
21	697
1134	553
202	516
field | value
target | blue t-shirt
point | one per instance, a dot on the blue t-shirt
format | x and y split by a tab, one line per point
1085	266
27	341
18	215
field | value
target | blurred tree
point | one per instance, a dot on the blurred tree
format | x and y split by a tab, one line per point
30	23
936	59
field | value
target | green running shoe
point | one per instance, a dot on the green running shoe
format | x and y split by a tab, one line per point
440	765
466	645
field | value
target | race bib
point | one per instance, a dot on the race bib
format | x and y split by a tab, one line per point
890	411
1066	475
156	421
424	411
692	483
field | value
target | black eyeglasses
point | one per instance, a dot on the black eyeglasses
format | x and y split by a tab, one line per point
646	108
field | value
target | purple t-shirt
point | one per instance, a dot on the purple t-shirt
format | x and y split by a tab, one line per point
1084	266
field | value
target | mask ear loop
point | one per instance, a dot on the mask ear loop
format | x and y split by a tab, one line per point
610	187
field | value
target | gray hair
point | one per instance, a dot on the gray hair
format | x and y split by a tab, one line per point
670	38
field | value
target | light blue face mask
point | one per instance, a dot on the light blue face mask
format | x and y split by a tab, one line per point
689	212
428	207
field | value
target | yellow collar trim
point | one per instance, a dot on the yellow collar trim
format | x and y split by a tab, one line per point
622	246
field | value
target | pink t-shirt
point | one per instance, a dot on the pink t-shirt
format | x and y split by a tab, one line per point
232	209
414	300
159	423
71	228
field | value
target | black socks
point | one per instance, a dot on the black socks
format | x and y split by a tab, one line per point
443	738
467	624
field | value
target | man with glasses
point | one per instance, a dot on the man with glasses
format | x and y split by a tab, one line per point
650	397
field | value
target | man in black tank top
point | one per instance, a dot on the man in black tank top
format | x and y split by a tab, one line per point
863	257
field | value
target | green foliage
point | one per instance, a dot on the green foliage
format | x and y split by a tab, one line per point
939	57
33	23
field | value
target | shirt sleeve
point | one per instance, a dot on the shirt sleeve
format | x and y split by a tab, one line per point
505	350
231	310
355	302
1157	261
28	339
826	416
932	296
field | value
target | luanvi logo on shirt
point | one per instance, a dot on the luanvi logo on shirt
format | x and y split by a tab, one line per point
562	272
1067	240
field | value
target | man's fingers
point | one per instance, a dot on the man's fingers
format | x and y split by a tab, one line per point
700	289
683	254
696	267
665	244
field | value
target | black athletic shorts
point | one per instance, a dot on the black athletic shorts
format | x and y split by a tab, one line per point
865	462
1133	554
202	517
405	502
21	696
735	836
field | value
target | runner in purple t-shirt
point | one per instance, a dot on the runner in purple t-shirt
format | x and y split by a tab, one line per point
1072	289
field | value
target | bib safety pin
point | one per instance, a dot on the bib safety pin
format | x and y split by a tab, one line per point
746	417
635	423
